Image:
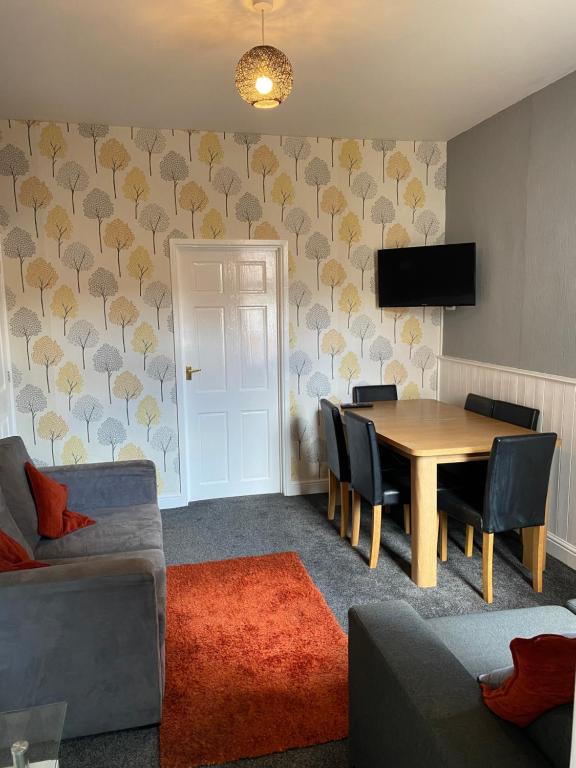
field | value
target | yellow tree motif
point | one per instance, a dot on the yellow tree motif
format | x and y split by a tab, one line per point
213	225
411	333
350	230
193	199
265	231
136	188
130	452
398	168
333	275
396	313
283	192
127	387
47	352
414	195
119	236
42	275
291	264
410	392
397	237
210	151
69	381
144	341
334	204
123	312
52	427
350	157
140	265
292	336
58	226
35	194
52	143
395	373
264	162
333	344
349	368
293	404
74	452
350	301
114	155
64	305
148	414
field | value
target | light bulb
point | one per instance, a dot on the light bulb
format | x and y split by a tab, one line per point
264	85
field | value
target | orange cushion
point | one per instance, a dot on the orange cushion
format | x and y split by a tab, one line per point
13	556
543	678
50	498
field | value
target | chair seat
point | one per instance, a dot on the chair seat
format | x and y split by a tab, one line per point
462	475
464	505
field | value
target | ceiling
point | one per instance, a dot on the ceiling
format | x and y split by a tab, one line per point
366	68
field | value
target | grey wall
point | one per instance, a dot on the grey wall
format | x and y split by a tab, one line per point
512	189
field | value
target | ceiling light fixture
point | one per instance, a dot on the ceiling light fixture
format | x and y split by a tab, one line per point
264	74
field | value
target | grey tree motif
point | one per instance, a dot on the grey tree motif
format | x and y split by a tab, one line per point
434	380
380	351
318	386
84	335
161	369
155	219
247	140
429	153
10	298
111	432
436	316
298	222
13	162
165	440
88	409
364	187
298	149
298	429
314	453
174	168
425	359
174	395
249	210
152	141
317	174
440	177
73	177
317	249
170	322
317	319
382	213
98	205
4	217
384	146
16	376
158	295
363	259
24	324
107	359
31	400
94	131
175	234
299	295
363	328
78	257
18	244
300	365
427	224
102	285
227	182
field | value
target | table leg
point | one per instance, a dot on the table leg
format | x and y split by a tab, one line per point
424	520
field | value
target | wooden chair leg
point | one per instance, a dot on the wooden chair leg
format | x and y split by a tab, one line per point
443	538
344	509
407	519
539	536
332	493
469	545
376	527
356	508
487	565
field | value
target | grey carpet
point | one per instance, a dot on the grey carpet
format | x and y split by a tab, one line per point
225	528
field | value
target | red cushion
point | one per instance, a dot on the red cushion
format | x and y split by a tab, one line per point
50	497
543	678
13	557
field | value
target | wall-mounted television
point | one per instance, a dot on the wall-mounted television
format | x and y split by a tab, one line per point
432	276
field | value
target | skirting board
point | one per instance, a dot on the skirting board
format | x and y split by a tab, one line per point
561	550
304	487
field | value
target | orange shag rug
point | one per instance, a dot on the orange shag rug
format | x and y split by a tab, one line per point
255	662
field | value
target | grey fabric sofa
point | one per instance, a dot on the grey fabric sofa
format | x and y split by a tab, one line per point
89	630
414	698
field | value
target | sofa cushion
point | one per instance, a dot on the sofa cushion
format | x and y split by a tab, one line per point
14	484
13	557
54	517
552	734
123	529
8	525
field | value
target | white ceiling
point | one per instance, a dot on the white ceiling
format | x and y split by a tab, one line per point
366	68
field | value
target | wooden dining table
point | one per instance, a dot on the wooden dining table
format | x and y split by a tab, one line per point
429	432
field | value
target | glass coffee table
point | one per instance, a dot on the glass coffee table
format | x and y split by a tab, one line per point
30	738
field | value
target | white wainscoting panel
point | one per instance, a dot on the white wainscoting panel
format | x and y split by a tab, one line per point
555	397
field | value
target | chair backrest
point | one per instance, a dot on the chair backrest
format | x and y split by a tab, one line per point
520	415
517	481
479	404
365	469
336	449
374	393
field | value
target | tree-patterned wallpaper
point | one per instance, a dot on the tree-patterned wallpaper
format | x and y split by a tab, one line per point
86	214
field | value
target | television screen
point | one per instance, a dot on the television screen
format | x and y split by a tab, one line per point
433	275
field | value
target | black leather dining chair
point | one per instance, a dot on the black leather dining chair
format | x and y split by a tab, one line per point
521	415
479	404
514	496
338	463
374	393
368	481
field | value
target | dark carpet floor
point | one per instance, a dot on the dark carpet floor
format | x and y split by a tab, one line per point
257	525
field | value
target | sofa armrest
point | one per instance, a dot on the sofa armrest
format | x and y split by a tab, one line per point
110	484
87	634
413	703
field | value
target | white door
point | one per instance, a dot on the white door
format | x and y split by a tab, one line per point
7	420
229	332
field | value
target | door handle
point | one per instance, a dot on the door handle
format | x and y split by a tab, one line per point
190	371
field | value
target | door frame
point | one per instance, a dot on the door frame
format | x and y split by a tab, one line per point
187	247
